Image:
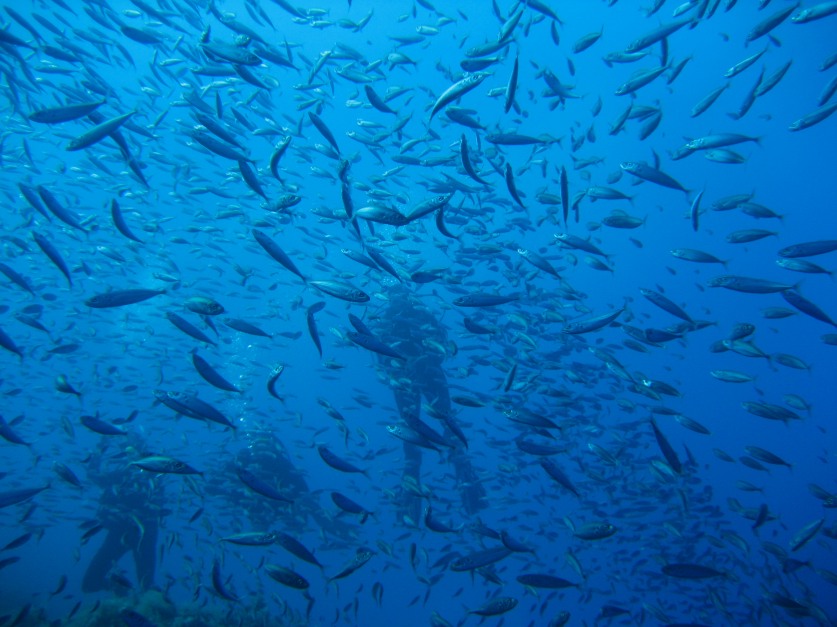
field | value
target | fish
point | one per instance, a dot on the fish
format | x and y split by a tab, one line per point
210	375
665	304
457	90
435	525
120	298
188	328
798	301
273	249
584	42
707	101
591	324
102	427
119	221
512	186
646	172
343	291
814	117
358	561
697	256
204	305
808	249
480	299
766	456
724	155
770	22
558	475
496	607
479	559
732	376
165	465
742	65
658	34
598	530
9	344
770	411
373	344
690	571
382	183
259	486
749	285
188	404
540	580
349	506
58	210
338	463
746	236
466	161
573	241
245	327
67	474
376	101
666	448
220	148
295	547
275	373
324	130
815	12
640	80
218	584
695	211
251	538
799	539
20	495
286	577
66	113
98	132
8	433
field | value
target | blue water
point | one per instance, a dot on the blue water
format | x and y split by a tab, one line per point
195	218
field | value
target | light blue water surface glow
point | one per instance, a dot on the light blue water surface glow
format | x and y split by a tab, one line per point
126	353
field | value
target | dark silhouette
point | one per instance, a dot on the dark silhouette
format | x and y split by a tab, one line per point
278	498
130	510
414	332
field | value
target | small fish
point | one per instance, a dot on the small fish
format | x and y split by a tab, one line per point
120	298
98	132
67	113
595	531
479	559
481	299
457	90
748	285
211	375
591	324
361	557
13	497
337	462
259	486
349	506
165	465
286	577
343	291
295	547
204	306
496	607
251	538
549	582
690	571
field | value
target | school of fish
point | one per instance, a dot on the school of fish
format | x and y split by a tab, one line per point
205	200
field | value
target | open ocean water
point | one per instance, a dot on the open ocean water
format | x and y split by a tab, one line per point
418	313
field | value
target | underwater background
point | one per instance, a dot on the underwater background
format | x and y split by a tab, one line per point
285	165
